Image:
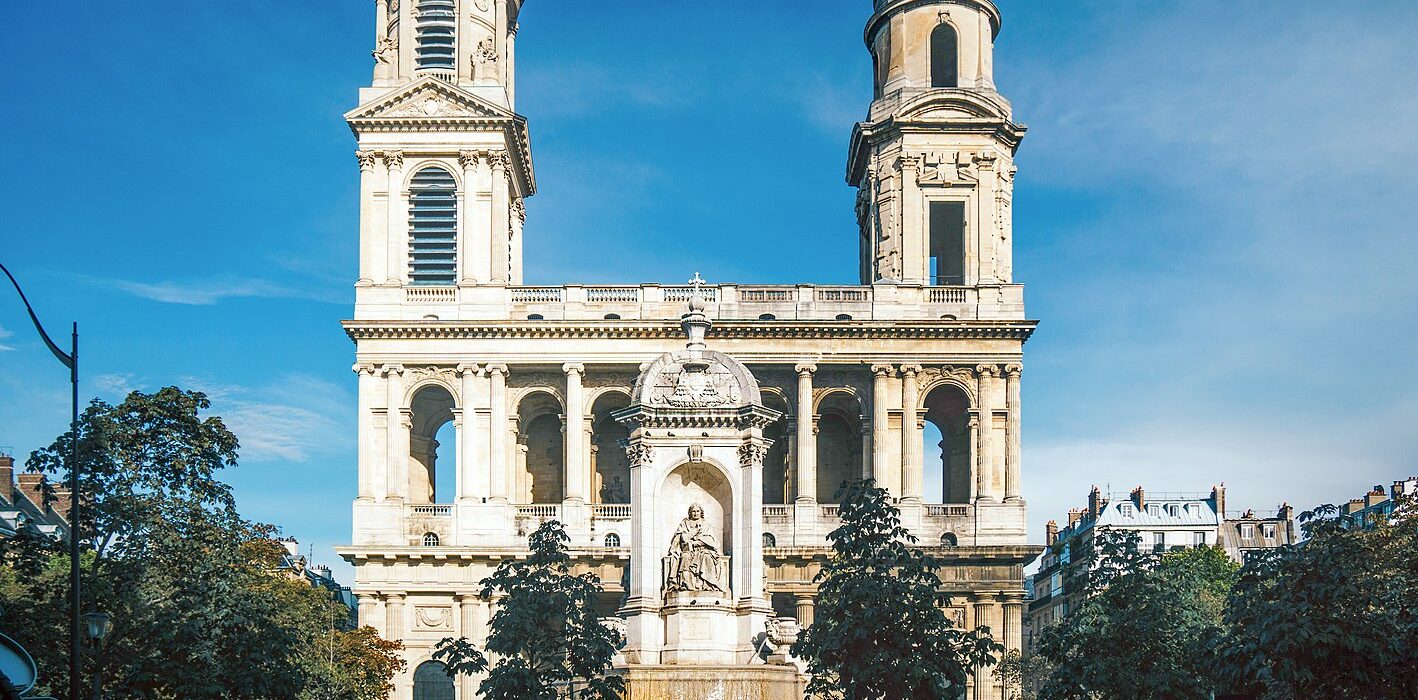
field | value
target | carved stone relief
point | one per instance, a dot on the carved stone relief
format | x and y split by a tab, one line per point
438	618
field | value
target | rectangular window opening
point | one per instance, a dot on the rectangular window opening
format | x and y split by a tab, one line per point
947	232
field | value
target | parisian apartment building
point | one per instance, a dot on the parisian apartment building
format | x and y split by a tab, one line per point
1164	521
28	502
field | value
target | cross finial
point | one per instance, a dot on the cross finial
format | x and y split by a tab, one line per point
697	282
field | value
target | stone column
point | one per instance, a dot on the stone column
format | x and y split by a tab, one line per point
511	63
467	606
368	610
382	69
396	485
1012	425
394	617
366	216
366	458
396	227
501	210
497	433
804	603
1013	637
881	374
574	454
912	471
985	467
499	37
978	485
915	258
467	243
807	440
984	678
469	481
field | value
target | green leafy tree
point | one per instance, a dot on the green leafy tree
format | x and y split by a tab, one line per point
877	631
1333	616
1021	674
545	635
1146	627
199	606
351	665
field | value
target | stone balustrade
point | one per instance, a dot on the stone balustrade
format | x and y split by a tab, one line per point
789	525
666	302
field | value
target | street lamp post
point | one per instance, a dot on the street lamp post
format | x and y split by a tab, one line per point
98	630
70	360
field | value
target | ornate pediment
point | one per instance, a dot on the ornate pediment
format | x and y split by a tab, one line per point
428	100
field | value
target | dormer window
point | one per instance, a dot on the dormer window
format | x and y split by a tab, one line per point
436	23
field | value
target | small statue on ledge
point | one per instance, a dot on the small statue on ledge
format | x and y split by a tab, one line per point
694	557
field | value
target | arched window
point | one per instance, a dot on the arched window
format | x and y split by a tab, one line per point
437	22
945	57
948	540
431	682
612	540
769	540
430	539
433	228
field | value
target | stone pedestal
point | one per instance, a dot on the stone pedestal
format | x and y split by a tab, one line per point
727	682
700	629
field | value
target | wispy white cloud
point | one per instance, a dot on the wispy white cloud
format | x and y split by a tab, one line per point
112	386
294	418
4	334
216	290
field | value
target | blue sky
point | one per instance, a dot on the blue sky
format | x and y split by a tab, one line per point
1214	217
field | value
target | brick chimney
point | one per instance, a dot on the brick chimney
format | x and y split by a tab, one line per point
1095	503
7	478
1354	506
1218	499
31	486
1074	515
1287	513
1138	500
63	501
1051	533
1375	496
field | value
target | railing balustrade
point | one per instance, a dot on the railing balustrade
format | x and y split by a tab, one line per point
416	294
539	510
611	511
434	510
537	295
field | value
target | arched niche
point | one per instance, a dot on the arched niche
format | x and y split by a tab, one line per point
541	449
612	467
692	483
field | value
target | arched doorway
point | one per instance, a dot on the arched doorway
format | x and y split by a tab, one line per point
431	682
775	464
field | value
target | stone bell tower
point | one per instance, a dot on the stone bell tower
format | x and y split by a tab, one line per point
933	162
445	161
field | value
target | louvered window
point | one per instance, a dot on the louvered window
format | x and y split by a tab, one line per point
433	228
437	29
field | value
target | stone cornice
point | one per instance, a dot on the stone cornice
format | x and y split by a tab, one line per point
885	330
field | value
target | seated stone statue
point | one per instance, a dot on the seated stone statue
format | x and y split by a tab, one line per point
694	557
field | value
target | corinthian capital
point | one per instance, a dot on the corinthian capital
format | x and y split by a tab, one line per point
500	160
469	159
366	160
394	159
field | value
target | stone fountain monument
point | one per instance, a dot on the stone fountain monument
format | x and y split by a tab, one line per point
696	614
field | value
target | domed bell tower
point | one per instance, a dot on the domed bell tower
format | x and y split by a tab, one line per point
934	161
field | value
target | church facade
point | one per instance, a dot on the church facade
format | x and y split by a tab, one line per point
690	436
